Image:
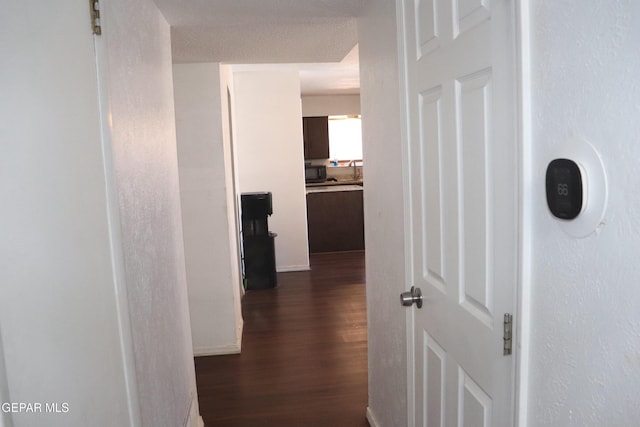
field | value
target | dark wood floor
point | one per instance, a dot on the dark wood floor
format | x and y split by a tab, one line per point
304	353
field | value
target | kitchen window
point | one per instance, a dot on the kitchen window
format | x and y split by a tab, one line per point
345	138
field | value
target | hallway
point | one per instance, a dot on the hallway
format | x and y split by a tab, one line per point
304	353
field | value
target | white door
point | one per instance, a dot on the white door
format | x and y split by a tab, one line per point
463	181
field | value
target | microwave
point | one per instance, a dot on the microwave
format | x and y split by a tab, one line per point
316	173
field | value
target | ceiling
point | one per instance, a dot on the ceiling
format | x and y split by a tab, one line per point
317	35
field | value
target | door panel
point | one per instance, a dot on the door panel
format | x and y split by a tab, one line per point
472	93
460	99
469	13
430	130
433	381
426	27
474	404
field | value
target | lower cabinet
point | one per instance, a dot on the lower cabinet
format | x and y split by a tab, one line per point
260	261
336	221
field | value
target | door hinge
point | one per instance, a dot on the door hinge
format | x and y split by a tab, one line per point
94	7
508	333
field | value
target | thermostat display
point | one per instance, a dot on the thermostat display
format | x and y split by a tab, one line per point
564	188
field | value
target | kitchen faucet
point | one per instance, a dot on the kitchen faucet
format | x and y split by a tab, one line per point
355	169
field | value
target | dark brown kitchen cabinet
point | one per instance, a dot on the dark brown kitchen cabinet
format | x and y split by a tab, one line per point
336	221
316	137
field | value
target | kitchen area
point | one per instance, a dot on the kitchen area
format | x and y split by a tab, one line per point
334	183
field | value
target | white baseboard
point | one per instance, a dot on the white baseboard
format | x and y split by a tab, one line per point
239	330
217	350
288	268
193	418
220	350
371	418
196	421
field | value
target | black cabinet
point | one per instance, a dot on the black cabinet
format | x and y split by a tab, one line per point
260	261
316	137
259	253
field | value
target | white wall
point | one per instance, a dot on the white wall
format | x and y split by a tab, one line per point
231	173
383	208
143	137
330	105
59	310
94	309
5	417
146	171
268	123
206	192
585	329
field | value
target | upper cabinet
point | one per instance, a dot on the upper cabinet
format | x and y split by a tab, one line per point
316	137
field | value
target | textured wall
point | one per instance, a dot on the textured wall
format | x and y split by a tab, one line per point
268	123
383	206
213	278
585	350
282	31
142	125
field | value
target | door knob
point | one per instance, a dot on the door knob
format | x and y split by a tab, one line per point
412	296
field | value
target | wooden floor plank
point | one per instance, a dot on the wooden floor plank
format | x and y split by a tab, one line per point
304	353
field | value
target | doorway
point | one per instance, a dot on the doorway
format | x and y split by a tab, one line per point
304	352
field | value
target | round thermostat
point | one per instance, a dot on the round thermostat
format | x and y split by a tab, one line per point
576	188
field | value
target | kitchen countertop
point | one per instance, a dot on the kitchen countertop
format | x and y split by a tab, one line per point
333	188
339	185
333	183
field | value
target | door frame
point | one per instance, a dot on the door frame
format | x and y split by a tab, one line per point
115	230
522	312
